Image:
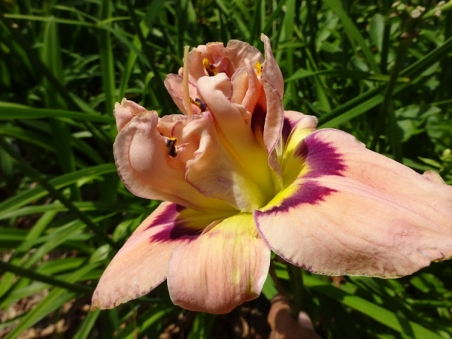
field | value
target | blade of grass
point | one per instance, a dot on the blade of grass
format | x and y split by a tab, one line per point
82	206
23	198
59	130
27	273
378	313
85	329
353	33
10	111
38	177
372	98
106	58
53	301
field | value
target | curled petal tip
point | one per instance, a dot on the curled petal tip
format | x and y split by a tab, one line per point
125	111
433	176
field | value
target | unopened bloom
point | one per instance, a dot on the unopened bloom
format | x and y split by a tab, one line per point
241	177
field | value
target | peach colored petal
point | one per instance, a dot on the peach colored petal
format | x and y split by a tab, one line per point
274	120
271	71
244	158
173	84
355	212
141	264
291	124
147	168
125	111
224	267
215	172
247	88
239	51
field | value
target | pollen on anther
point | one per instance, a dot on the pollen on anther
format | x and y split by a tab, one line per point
171	147
258	67
210	69
198	102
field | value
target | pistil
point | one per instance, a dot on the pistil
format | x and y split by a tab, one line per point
185	87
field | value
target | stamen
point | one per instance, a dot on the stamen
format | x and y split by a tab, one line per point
198	102
187	104
211	69
258	67
171	147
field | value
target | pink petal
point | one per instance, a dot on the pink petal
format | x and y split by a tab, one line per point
271	71
274	120
224	267
353	211
215	53
173	84
230	164
148	170
215	172
142	263
292	119
239	51
247	88
296	127
125	111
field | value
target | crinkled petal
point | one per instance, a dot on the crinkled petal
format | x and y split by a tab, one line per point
235	153
271	71
215	172
224	267
291	120
239	51
173	84
352	211
148	170
125	111
247	88
142	263
274	120
217	56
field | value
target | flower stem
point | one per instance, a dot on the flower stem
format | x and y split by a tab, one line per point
278	285
297	287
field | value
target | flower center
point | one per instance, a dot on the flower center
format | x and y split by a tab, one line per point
210	69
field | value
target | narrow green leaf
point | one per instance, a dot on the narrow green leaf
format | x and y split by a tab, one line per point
353	33
87	325
88	174
53	301
10	111
374	311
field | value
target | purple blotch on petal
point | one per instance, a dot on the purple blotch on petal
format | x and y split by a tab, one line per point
179	231
167	216
321	157
175	229
309	192
288	126
258	119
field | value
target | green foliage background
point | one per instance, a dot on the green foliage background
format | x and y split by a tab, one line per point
372	70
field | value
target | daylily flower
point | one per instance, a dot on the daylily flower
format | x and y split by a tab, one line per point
241	177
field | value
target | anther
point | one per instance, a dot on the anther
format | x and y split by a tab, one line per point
211	69
198	102
171	147
258	67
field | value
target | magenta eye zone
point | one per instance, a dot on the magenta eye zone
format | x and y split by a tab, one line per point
171	147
